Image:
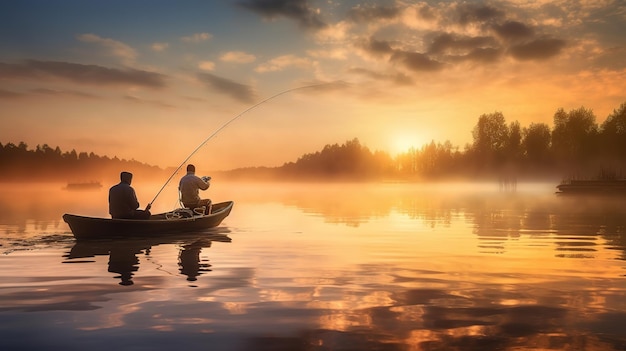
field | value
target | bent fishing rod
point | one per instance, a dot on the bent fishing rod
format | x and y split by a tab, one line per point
226	125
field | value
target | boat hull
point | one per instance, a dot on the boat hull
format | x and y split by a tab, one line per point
592	187
159	224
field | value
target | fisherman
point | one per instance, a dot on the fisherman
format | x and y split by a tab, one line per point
123	202
189	187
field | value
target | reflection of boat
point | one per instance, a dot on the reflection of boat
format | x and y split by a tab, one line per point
83	186
592	187
123	253
163	223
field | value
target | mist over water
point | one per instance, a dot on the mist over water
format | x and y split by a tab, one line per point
307	266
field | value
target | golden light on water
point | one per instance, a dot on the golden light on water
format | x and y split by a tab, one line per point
383	263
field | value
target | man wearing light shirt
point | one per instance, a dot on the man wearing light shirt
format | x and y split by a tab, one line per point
190	186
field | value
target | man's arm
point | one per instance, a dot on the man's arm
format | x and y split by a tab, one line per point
132	199
202	184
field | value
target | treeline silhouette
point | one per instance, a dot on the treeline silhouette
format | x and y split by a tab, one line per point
47	164
577	147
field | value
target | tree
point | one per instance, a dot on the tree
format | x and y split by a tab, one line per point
613	135
491	135
574	137
536	144
513	147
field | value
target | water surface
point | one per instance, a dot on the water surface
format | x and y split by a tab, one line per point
321	267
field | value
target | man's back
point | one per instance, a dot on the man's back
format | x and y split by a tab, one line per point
122	200
189	186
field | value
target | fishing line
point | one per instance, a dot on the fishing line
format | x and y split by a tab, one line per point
226	125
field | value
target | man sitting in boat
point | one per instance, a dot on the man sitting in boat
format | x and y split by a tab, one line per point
123	202
189	187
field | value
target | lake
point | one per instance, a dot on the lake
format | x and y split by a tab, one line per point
321	267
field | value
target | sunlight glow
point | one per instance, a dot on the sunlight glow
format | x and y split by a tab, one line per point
402	142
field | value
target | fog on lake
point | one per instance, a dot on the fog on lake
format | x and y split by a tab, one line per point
340	266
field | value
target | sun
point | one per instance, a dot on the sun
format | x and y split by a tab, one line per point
401	142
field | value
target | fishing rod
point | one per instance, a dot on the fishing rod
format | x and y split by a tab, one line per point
225	125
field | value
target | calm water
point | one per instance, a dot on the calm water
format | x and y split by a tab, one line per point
321	267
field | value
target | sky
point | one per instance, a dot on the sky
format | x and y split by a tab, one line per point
238	83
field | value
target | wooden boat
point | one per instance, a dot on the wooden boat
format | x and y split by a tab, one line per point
592	187
83	186
177	221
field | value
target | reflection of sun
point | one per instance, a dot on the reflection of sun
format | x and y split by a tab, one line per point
403	142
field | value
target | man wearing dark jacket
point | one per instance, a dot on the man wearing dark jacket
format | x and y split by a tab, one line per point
123	202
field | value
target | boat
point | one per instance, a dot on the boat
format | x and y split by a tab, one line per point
83	186
592	187
177	221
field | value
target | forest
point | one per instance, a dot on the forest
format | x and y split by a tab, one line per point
575	147
47	164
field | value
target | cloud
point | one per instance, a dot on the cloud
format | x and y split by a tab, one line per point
237	57
282	62
206	65
538	49
323	86
425	12
57	92
480	55
421	17
474	13
416	61
611	58
81	74
7	94
399	79
297	10
142	101
237	91
334	54
197	38
158	47
446	42
428	38
375	13
513	30
112	47
377	48
333	33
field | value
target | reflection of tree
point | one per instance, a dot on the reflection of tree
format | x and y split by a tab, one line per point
573	225
355	204
434	210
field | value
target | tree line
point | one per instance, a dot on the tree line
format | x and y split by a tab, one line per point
47	164
576	146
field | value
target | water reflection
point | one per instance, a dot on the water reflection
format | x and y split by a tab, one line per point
573	227
335	267
124	254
